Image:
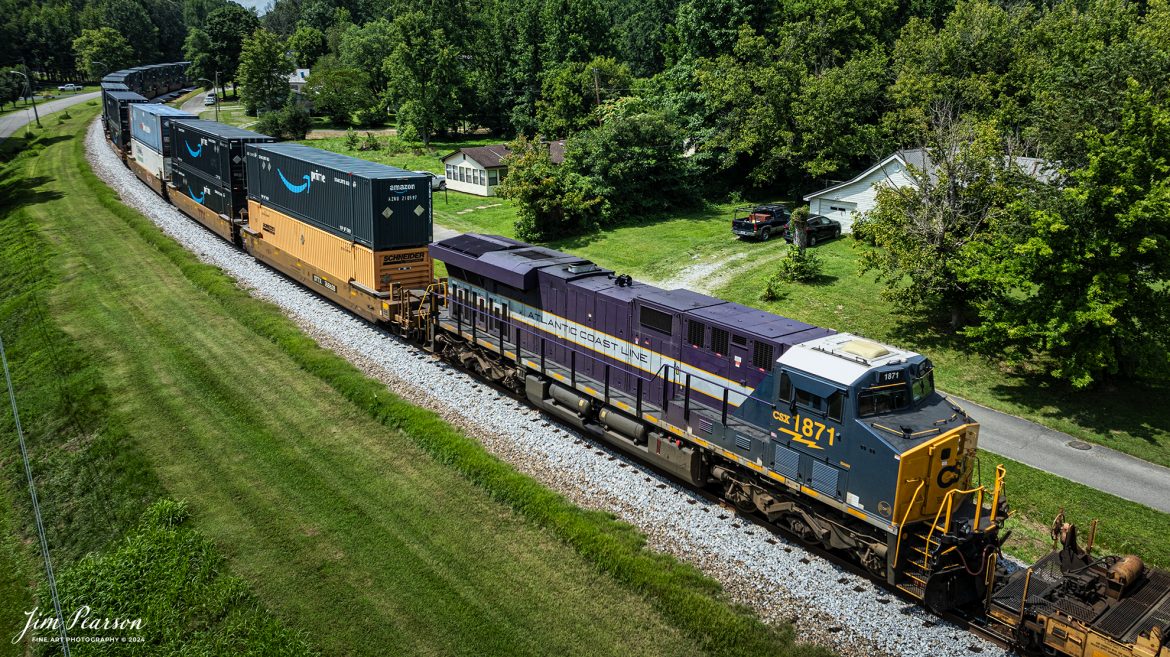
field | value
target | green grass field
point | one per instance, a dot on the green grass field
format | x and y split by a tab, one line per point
354	517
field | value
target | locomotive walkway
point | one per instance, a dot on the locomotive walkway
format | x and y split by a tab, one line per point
13	121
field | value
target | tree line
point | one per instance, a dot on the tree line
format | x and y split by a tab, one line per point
665	103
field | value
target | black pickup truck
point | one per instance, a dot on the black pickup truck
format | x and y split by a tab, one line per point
760	222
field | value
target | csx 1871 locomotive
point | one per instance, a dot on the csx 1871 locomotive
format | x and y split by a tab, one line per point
842	440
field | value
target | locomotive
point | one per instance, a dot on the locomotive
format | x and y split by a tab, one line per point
841	440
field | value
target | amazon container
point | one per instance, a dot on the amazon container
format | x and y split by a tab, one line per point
214	150
379	206
115	107
211	194
150	124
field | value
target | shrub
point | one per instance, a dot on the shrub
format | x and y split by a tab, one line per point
797	266
370	143
65	115
289	122
351	139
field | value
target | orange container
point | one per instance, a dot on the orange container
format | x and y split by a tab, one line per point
351	273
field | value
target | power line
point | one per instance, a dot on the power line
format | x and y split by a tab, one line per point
32	490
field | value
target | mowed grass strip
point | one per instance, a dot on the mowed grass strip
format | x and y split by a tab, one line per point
346	529
332	518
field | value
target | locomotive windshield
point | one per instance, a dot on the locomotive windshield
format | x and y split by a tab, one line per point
880	400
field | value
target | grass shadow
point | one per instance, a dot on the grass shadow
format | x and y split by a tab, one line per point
21	192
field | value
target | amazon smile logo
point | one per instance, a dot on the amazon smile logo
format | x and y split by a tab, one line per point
197	199
194	152
303	187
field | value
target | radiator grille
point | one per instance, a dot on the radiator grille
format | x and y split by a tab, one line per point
824	478
742	441
705	425
787	462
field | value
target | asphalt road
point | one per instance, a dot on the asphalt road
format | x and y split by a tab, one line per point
1104	469
13	121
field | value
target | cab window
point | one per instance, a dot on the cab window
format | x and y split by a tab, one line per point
808	400
785	387
882	400
923	384
836	406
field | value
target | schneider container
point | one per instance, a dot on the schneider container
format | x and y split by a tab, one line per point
150	124
378	206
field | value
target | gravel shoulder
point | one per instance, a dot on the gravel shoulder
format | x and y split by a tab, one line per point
779	580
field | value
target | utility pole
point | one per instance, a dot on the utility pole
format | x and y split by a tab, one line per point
216	90
31	94
597	93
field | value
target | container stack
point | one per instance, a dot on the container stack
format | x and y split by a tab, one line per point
356	229
207	169
375	205
150	132
116	110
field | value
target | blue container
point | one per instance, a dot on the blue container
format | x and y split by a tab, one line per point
150	124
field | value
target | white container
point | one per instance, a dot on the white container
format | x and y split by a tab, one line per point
151	160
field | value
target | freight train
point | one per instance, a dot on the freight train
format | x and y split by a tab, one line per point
842	441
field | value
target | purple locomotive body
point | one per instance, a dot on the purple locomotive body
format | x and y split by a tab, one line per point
674	357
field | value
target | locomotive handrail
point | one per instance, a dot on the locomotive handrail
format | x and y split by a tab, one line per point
905	516
948	505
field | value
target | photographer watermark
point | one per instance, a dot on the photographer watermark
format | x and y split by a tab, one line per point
114	630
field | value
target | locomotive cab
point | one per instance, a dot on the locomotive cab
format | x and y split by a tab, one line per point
905	452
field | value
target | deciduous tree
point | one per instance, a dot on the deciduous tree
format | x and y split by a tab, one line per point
1082	275
338	92
423	77
101	51
227	27
263	73
553	202
307	45
926	232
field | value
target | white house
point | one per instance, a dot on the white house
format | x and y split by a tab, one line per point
848	200
479	169
297	80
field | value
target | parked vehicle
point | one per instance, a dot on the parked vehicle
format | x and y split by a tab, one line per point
820	229
69	87
760	222
438	182
210	98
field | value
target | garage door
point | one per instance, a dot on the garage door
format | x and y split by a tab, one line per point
841	211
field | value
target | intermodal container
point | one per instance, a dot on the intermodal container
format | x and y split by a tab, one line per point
214	150
379	206
115	107
211	194
150	124
150	160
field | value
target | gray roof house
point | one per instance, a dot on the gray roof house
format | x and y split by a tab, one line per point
847	200
479	169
